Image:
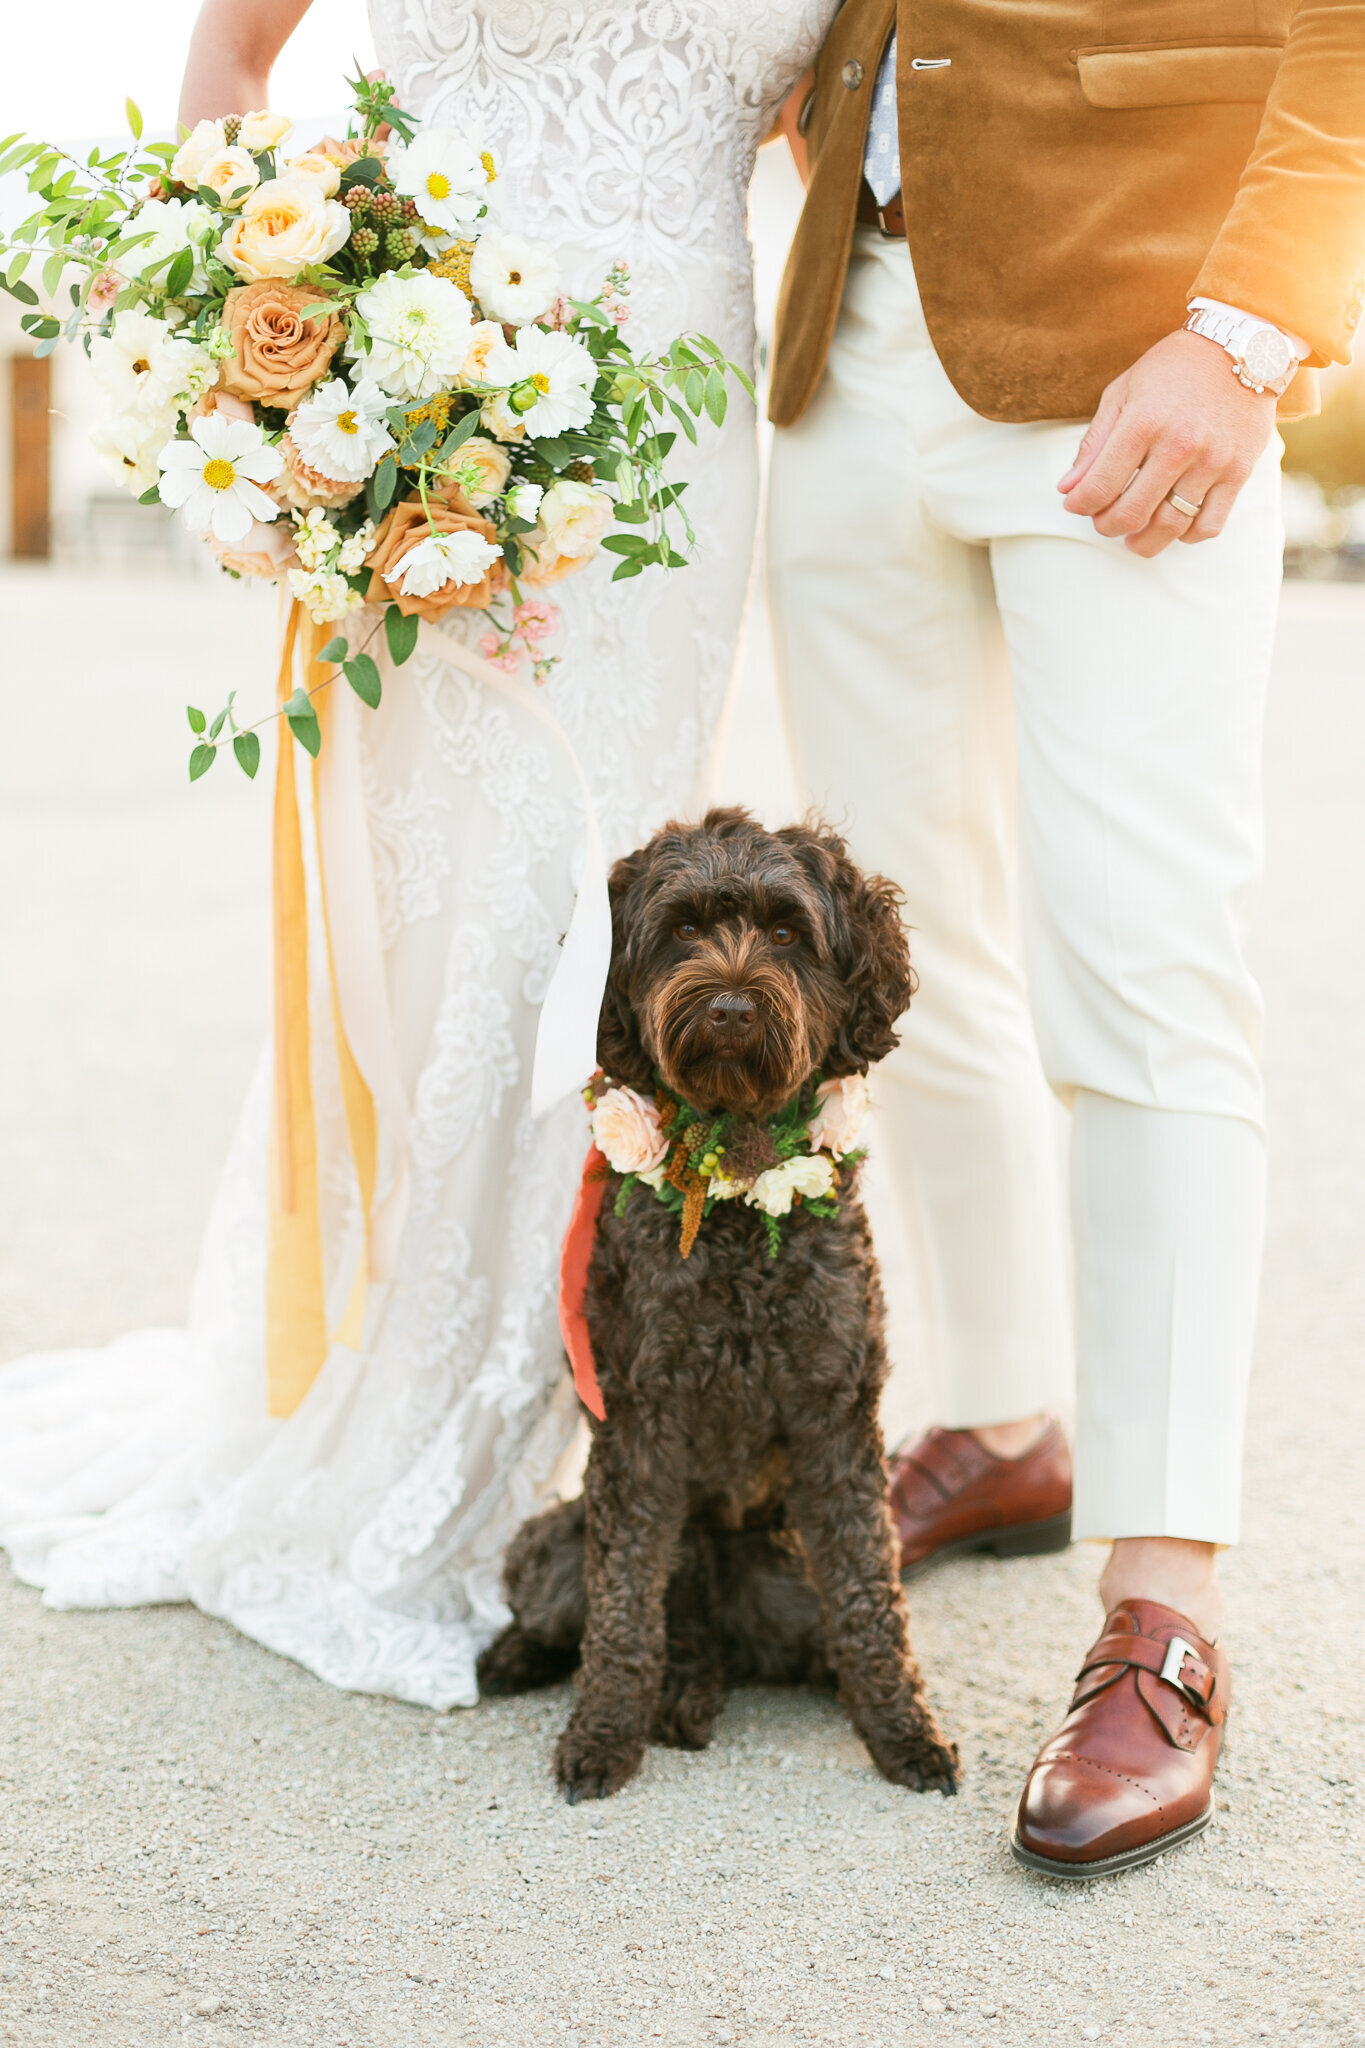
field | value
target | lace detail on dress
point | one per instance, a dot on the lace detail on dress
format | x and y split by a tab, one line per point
364	1536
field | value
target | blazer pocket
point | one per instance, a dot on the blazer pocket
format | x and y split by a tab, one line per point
1178	75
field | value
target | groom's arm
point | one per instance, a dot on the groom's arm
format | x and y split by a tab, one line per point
1292	250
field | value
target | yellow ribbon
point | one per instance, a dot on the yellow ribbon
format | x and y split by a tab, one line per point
297	1339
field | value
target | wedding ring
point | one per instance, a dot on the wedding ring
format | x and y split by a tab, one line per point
1183	505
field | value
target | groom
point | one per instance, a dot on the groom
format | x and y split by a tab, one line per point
1031	678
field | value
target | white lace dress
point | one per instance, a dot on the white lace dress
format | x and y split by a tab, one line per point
363	1535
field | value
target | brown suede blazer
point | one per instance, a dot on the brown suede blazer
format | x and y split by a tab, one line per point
1079	173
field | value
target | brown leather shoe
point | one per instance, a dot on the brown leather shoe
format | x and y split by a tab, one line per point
950	1494
1130	1771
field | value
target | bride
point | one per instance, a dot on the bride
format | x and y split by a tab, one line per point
363	1535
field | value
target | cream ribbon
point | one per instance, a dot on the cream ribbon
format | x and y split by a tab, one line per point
373	1095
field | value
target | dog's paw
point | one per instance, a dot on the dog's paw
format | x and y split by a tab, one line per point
591	1765
919	1759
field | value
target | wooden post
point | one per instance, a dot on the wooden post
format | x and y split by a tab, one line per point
30	457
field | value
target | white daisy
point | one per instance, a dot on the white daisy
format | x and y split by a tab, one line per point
419	333
444	558
512	278
143	366
549	379
446	176
214	477
340	431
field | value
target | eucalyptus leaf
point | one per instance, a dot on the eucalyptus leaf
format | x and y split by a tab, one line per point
401	634
201	760
385	482
363	677
247	748
218	724
457	437
336	649
195	717
19	290
303	722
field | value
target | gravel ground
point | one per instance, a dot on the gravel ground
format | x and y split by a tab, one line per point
200	1844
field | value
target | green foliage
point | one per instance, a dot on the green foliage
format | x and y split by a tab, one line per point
401	633
247	748
303	722
336	650
363	677
196	718
201	760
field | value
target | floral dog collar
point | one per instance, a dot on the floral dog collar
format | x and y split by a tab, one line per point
690	1161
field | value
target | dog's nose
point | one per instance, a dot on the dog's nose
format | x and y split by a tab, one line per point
732	1012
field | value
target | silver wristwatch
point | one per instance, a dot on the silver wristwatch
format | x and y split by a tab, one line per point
1263	358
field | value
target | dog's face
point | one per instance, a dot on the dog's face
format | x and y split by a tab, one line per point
743	961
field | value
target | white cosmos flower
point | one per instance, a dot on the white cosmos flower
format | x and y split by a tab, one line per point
550	378
446	176
513	279
128	444
341	432
143	365
419	333
173	224
444	558
215	476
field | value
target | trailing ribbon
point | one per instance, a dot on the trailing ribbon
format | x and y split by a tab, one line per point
375	1103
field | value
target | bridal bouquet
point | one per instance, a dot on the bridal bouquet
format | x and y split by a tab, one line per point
340	371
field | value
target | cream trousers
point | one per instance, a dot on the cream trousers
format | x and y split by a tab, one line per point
1054	747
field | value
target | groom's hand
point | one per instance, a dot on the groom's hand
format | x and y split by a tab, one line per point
1179	421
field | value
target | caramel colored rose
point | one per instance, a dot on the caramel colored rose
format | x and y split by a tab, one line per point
403	528
279	356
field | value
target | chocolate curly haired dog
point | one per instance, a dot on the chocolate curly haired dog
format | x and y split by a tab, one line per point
734	1523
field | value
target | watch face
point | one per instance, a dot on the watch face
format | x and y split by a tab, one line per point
1268	356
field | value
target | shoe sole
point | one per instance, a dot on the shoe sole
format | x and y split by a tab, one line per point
1028	1539
1111	1866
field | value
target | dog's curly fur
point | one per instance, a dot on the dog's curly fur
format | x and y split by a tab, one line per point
734	1523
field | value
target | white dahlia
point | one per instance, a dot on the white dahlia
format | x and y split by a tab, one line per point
446	176
419	333
513	279
214	478
340	431
444	558
549	378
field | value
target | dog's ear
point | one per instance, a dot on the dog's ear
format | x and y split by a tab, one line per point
620	1049
872	952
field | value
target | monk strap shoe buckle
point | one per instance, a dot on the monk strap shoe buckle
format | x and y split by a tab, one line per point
1173	1672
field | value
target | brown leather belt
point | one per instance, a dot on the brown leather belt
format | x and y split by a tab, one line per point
889	218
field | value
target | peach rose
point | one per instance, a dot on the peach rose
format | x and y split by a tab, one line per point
279	356
343	153
231	173
284	225
401	530
302	486
484	337
841	1112
223	402
265	551
626	1128
325	173
488	463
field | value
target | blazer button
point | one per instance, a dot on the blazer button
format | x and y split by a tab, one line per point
852	74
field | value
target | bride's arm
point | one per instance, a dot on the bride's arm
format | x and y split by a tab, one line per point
234	45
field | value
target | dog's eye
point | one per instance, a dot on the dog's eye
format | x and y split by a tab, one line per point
783	935
685	930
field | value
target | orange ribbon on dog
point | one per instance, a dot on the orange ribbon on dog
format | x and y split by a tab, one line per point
574	1259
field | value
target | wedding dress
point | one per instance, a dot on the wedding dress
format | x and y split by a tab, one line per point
363	1535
